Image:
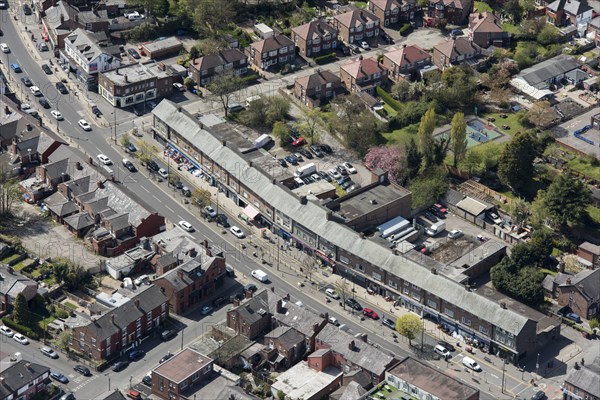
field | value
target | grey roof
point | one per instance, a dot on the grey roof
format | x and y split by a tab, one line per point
220	58
588	282
149	299
116	395
13	283
118	222
181	281
85	43
19	375
289	337
133	73
362	355
235	392
57	169
537	75
314	217
473	206
60	206
587	378
592	248
573	7
353	391
79	221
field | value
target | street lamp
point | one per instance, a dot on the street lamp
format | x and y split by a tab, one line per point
537	364
108	376
57	127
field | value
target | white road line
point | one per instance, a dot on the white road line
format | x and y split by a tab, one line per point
147	190
168	208
156	198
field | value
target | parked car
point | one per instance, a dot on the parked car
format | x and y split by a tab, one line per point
83	370
62	88
46	69
363	44
163	173
134	394
165	358
26	81
136	355
354	48
235	108
325	175
250	287
350	168
389	323
342	170
454	234
43	102
353	303
179	86
237	232
48	352
335	174
19	338
67	396
222	219
306	153
317	150
291	159
6	331
539	395
35	91
442	351
446	345
299	142
206	310
326	148
133	53
4	47
430	216
57	376
342	180
282	162
130	147
573	317
367	312
27	9
167	335
147	380
209	212
153	166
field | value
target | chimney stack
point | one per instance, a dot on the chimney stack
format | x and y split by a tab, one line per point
137	303
112	319
303	200
279	308
568	281
236	302
351	345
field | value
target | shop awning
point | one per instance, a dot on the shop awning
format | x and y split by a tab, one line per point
250	212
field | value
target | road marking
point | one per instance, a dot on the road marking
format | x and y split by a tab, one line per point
169	208
147	190
156	198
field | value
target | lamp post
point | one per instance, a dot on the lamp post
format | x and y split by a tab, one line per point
108	376
537	364
57	127
114	113
503	371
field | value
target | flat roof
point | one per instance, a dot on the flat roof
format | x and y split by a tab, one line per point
370	200
303	382
182	365
163	44
136	73
315	188
473	206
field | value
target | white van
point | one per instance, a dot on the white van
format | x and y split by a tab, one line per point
331	293
470	363
260	275
442	351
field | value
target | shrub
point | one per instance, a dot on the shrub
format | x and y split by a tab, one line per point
250	78
324	58
385	96
60	313
142	33
20	328
405	29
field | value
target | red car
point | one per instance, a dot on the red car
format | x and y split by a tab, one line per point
440	208
370	313
299	142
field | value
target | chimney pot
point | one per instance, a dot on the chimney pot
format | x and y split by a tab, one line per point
303	200
137	303
224	143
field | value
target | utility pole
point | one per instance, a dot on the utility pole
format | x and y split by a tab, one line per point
182	339
503	371
422	333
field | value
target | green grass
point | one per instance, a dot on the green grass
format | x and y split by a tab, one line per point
19	266
583	165
35	273
510	28
594	213
360	4
402	136
339	191
10	258
540	48
548	272
511	121
480	6
70	305
389	110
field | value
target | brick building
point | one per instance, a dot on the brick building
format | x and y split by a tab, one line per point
403	63
315	38
24	380
357	25
11	284
181	374
363	75
485	30
454	52
453	12
580	292
391	12
204	69
273	51
317	89
589	252
109	335
583	383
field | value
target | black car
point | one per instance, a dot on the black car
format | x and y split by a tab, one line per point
133	53
220	300
317	150
147	380
152	165
178	185
26	81
282	162
325	175
430	216
131	147
342	170
135	355
62	88
83	370
26	9
250	287
222	219
446	345
389	323
306	153
167	335
353	303
119	366
44	102
46	69
165	358
347	184
326	148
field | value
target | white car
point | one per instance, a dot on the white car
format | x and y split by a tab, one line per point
25	106
335	174
21	338
364	45
237	232
57	115
454	234
84	125
104	159
163	172
186	226
47	351
35	90
5	48
179	86
350	168
6	331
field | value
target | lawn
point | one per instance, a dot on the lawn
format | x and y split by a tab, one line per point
402	136
510	28
480	6
70	305
19	266
360	4
594	213
511	121
8	259
389	110
583	165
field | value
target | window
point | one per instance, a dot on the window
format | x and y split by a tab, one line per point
183	385
273	53
161	384
393	284
376	276
449	312
405	290
93	342
361	268
466	321
81	336
432	303
344	260
484	330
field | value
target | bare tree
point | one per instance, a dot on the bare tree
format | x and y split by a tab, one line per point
9	193
224	86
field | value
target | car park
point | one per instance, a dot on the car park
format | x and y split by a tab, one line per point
4	47
119	366
104	159
163	173
84	125
282	162
133	53
46	69
57	376
48	352
19	338
206	310
186	226
335	174
35	91
454	234
83	370
168	334
129	165
325	175
306	153
152	165
446	345
353	303
367	312
57	115
389	323
237	232
43	102
135	355
16	67
166	357
26	81
62	88
6	331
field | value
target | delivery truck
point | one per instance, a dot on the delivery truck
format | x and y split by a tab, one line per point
306	170
436	228
262	141
260	275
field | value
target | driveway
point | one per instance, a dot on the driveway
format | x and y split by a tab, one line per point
425	38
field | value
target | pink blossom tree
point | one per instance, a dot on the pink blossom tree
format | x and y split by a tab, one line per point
388	158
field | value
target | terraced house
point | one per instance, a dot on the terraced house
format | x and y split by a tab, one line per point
505	327
357	25
315	38
392	11
273	51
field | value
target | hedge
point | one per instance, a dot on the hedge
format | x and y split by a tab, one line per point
250	78
385	96
20	328
324	58
405	30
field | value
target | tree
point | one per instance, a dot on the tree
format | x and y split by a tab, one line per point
201	197
515	167
341	288
426	140
63	341
282	132
359	128
145	151
21	314
401	90
414	159
388	158
519	210
513	9
458	136
428	187
309	124
223	87
471	162
151	7
211	16
409	326
548	35
256	113
278	109
124	140
541	114
280	395
566	200
9	192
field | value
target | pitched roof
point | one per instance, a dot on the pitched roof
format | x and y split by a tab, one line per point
386	4
573	7
455	47
363	67
407	55
315	30
149	298
272	43
459	4
116	395
219	58
484	22
319	78
587	378
588	282
314	216
59	205
187	273
541	72
86	44
13	283
289	337
20	374
355	18
592	248
361	354
79	221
